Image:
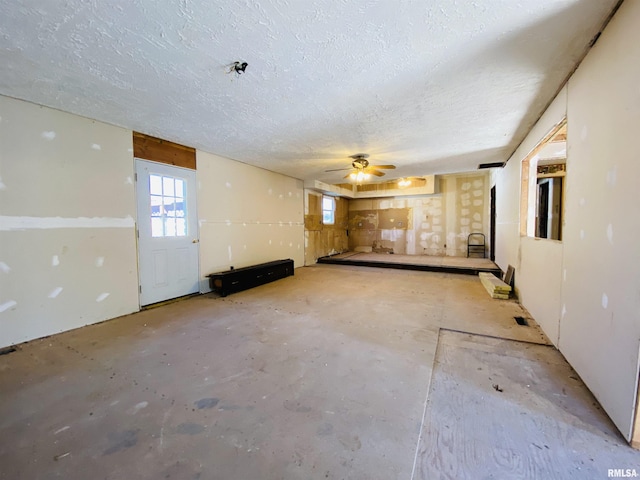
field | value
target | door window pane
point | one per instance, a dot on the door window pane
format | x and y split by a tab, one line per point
157	229
168	206
179	188
167	187
155	184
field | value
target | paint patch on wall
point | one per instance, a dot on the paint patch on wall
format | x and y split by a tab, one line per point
102	297
99	261
128	181
55	292
582	202
610	233
4	267
584	133
605	300
2	185
7	305
55	261
50	135
228	185
95	146
612	176
581	234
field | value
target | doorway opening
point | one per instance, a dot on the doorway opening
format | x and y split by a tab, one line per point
542	193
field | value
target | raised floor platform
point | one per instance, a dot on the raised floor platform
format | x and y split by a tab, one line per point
427	263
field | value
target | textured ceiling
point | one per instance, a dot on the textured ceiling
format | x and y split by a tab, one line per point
432	86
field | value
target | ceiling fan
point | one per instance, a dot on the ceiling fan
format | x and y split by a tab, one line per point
360	168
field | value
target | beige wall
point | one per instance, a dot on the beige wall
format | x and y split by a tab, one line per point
436	224
67	231
68	253
247	216
584	290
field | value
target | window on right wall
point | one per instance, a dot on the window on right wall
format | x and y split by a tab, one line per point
543	181
549	195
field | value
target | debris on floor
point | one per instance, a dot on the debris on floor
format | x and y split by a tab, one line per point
496	287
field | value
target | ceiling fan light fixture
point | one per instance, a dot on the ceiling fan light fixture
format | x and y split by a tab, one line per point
359	176
404	182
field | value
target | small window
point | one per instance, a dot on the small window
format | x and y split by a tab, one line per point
168	215
543	179
328	210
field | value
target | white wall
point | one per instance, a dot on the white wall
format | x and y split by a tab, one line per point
67	231
539	281
247	215
584	291
67	236
600	329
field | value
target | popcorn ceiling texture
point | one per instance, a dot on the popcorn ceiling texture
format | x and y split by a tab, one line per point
432	87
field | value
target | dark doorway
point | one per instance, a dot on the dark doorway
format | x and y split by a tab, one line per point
492	244
542	220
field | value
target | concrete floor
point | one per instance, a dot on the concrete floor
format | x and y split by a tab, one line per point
320	375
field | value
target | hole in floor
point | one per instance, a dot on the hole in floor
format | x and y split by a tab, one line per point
521	321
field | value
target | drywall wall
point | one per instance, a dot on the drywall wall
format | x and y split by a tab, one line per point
67	231
423	225
596	322
537	262
600	328
539	282
247	216
319	239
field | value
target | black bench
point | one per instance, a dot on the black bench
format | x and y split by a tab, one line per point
238	279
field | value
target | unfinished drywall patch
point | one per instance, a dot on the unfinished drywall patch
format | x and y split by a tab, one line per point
470	211
65	205
422	225
320	239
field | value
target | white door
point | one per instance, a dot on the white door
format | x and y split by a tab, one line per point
167	231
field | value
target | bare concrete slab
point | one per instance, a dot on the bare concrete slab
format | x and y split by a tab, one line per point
320	375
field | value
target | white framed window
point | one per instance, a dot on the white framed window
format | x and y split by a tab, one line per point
328	210
168	213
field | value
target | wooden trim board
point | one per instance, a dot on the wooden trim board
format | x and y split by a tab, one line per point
157	150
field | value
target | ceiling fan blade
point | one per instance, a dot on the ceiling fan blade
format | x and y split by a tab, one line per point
337	169
375	172
384	166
